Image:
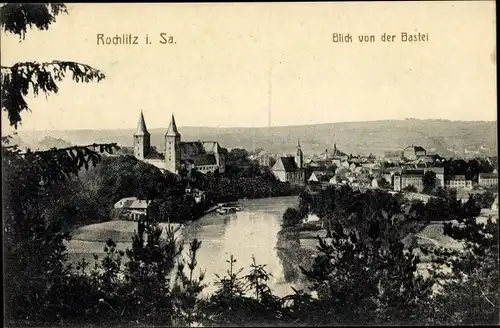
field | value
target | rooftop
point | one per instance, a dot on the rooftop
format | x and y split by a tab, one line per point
458	177
287	164
414	148
488	175
141	126
172	129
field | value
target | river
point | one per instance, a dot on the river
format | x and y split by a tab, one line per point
250	232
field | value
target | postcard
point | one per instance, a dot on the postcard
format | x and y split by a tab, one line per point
246	164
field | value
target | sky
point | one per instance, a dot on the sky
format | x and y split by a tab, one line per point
231	63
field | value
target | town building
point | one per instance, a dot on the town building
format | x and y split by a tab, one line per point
264	159
458	181
311	163
316	176
414	177
197	194
371	168
204	156
429	159
319	163
409	178
291	168
333	180
439	175
388	174
312	219
131	208
413	152
488	179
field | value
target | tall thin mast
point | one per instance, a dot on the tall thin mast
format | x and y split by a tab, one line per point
269	95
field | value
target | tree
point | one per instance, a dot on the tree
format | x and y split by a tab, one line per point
291	217
151	259
305	203
332	168
126	176
384	184
34	252
364	275
429	181
469	291
410	188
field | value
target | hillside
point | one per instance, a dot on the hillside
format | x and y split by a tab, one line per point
442	136
50	142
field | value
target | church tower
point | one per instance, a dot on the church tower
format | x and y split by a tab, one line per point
299	156
142	140
172	147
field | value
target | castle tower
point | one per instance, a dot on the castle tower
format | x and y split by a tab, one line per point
142	140
172	147
299	156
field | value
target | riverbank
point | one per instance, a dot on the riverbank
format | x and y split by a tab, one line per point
296	249
182	226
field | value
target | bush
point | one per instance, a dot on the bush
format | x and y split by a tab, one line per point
291	217
309	226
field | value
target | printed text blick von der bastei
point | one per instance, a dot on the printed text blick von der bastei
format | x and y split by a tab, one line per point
402	37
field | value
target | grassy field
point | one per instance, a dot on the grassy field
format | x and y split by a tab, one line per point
433	234
90	239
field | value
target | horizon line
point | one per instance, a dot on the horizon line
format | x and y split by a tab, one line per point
260	127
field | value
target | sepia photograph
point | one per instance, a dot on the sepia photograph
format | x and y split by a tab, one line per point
249	164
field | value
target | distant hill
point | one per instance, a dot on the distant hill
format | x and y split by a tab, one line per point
16	140
50	142
36	141
441	136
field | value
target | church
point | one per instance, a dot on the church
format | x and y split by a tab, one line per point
204	156
291	168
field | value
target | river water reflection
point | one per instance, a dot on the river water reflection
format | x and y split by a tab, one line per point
252	231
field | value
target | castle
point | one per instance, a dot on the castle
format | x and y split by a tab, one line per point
204	156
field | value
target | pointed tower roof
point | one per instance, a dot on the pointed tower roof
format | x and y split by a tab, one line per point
141	127
172	129
299	150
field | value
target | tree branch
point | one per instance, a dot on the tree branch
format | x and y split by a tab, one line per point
94	146
17	80
55	165
486	298
17	18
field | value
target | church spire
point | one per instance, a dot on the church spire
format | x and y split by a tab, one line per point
299	156
172	129
141	126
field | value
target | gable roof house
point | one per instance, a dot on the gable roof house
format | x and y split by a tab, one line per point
413	152
287	170
311	163
286	163
315	176
131	207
